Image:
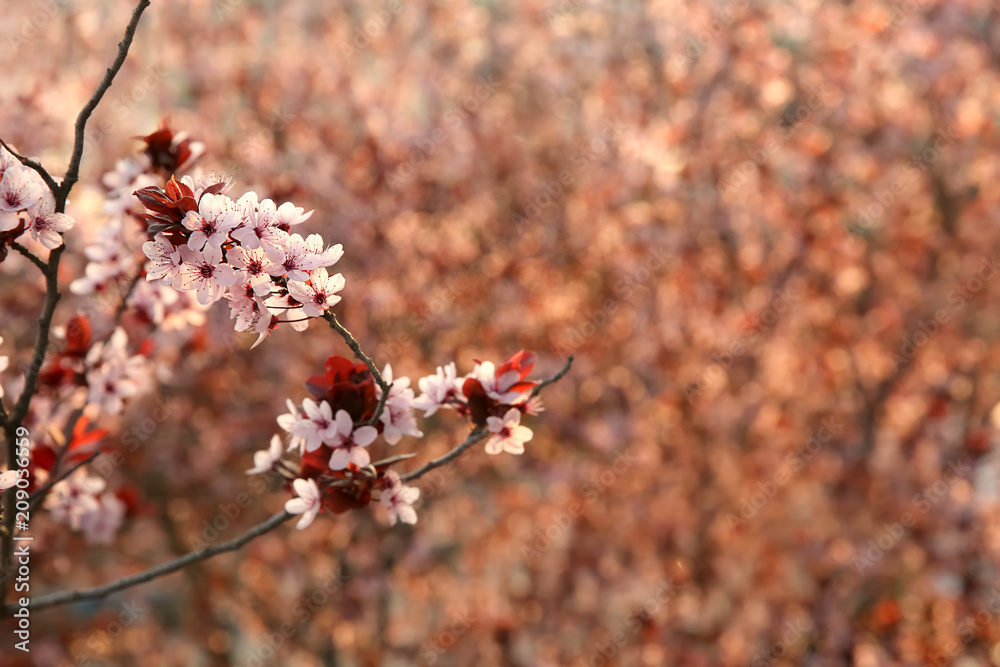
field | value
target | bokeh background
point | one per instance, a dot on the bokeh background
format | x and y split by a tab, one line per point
742	218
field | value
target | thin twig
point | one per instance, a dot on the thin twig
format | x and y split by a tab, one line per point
475	436
36	498
28	162
154	572
73	171
35	259
555	378
359	353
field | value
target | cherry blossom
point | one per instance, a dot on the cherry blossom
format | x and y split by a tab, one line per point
204	272
498	388
47	225
318	426
164	261
8	478
211	225
319	293
307	504
349	443
508	435
265	459
437	390
113	376
289	215
293	260
99	523
74	497
258	227
20	189
252	268
397	418
399	499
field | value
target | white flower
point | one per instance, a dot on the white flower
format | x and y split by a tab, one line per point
259	224
437	389
307	504
318	426
47	225
20	189
292	259
287	422
397	417
289	214
73	497
319	294
113	376
399	499
497	388
265	459
8	478
211	225
164	260
100	523
349	443
251	269
204	272
317	256
508	435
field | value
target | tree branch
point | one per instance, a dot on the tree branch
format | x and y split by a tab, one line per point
155	572
479	433
73	171
20	409
28	162
475	436
359	353
35	259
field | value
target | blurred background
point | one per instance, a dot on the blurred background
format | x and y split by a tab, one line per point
766	230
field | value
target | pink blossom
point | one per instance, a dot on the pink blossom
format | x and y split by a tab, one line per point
204	272
307	504
508	435
349	443
399	499
265	459
318	426
319	294
437	390
211	225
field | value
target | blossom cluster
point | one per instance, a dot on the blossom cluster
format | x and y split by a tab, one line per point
243	250
82	502
27	205
332	431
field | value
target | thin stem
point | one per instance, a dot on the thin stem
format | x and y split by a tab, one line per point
555	378
38	496
359	353
475	436
155	572
35	259
28	162
73	172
